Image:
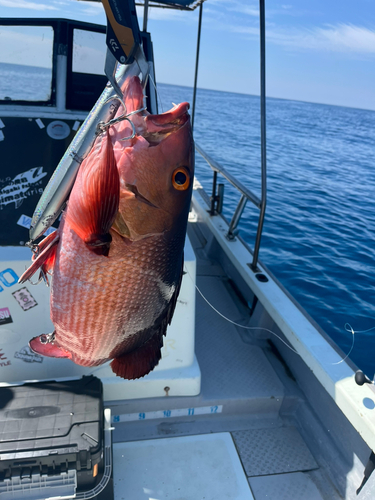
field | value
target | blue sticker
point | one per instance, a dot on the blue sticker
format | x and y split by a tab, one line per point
8	278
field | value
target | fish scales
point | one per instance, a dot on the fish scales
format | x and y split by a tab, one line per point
94	290
117	257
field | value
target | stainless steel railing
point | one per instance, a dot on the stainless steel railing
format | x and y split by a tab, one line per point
217	199
246	194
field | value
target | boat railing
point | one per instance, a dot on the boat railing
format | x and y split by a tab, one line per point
217	198
218	190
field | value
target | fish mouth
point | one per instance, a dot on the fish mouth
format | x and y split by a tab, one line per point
158	127
153	128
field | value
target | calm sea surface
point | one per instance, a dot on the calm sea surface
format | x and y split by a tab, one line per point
318	236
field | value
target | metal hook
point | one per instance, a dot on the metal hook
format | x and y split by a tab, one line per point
43	275
125	116
36	282
33	247
47	338
118	98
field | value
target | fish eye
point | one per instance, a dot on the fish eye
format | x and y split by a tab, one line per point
181	179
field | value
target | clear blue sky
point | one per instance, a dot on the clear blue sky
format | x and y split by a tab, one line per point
319	51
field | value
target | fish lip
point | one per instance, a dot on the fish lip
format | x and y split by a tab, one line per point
132	188
168	122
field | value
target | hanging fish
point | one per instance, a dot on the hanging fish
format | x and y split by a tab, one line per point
117	257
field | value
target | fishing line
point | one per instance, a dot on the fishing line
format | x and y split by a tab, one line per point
157	92
237	324
100	367
348	327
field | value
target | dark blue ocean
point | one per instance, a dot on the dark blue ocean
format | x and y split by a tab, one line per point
318	236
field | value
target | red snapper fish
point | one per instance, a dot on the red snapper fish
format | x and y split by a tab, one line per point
117	257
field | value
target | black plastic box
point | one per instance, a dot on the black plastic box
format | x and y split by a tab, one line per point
50	428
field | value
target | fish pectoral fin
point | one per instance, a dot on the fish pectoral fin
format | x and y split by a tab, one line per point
93	207
41	345
141	361
46	257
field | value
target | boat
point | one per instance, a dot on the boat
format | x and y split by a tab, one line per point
251	400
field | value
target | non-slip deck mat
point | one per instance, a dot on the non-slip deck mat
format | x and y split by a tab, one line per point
203	467
273	451
231	369
294	486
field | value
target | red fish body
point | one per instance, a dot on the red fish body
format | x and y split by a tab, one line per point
117	257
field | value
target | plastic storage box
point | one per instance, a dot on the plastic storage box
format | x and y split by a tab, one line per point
52	440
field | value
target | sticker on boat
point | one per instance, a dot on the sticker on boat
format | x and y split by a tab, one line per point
7	278
4	361
5	316
21	187
27	355
178	412
25	299
25	221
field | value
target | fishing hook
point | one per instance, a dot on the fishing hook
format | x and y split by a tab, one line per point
47	338
36	282
125	116
42	275
33	247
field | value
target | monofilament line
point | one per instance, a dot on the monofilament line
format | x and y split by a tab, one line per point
242	326
157	92
348	328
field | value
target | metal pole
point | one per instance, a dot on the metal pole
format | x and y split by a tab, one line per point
213	197
145	16
236	218
196	64
262	130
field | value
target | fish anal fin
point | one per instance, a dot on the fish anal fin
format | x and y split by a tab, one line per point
141	361
46	257
94	201
40	345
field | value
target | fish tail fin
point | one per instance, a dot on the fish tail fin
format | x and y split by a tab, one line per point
46	257
42	345
141	361
93	206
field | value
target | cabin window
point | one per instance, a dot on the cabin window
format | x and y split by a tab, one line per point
26	63
86	80
89	50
